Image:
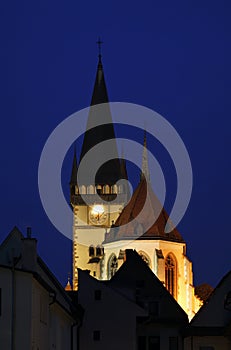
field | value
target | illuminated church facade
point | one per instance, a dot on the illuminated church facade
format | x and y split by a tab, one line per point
107	232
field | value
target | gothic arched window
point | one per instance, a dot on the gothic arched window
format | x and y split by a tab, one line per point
170	274
112	266
145	257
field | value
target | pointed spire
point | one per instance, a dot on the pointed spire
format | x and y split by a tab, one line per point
73	180
109	173
145	169
124	174
68	287
100	91
123	168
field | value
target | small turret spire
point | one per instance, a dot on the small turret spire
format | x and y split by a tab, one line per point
124	174
68	287
73	180
145	169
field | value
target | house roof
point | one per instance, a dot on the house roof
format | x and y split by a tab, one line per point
214	313
131	225
128	278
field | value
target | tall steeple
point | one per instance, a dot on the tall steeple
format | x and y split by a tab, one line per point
110	172
145	169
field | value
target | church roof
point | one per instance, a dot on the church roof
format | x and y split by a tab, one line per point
100	128
100	94
130	224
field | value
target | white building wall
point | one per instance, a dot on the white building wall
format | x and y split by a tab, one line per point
36	323
114	316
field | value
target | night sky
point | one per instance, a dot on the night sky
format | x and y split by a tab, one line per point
170	56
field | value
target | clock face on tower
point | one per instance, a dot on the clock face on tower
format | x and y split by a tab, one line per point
97	215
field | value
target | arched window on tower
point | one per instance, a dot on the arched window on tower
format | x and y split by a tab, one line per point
91	250
114	189
99	250
90	189
83	190
106	189
170	274
112	266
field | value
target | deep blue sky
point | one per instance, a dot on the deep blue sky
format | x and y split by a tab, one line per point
171	56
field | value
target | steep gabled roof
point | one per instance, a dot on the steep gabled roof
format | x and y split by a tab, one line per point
135	274
216	311
129	224
11	246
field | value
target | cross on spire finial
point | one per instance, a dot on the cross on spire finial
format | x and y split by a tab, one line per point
99	43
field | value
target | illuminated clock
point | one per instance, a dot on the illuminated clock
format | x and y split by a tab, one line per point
97	215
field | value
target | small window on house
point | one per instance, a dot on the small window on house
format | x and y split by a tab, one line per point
94	273
98	294
96	335
154	343
141	342
173	343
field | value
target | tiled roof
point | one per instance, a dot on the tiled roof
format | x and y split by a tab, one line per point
132	223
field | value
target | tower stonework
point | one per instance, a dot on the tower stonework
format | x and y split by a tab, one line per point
93	219
102	232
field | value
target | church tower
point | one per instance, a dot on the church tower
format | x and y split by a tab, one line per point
95	216
108	232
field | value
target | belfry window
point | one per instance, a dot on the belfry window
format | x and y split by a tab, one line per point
91	250
170	274
99	251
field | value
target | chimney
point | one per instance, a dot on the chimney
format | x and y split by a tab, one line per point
129	253
29	252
